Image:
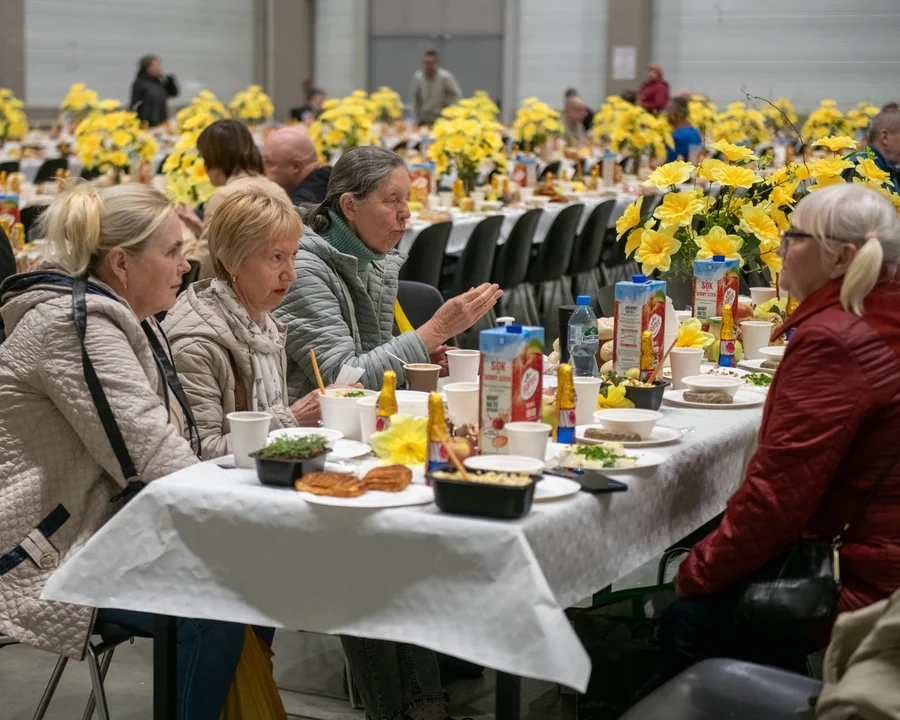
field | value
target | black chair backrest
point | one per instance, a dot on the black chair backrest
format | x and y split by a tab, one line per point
190	276
47	171
426	258
419	301
90	173
589	243
551	168
10	166
29	217
477	261
606	296
555	253
513	257
7	257
648	207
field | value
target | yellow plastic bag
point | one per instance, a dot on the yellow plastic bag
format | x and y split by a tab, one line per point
253	694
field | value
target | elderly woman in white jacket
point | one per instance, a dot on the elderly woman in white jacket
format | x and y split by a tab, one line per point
117	255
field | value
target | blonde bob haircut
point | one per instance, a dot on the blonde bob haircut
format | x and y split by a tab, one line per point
246	220
84	223
855	215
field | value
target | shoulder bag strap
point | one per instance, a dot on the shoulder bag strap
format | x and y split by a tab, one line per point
79	316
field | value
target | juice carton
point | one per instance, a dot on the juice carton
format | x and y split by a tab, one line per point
716	283
524	171
512	370
640	306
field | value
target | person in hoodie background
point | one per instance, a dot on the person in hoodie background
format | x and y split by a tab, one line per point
653	95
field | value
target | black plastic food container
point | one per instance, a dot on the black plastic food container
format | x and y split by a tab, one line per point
647	398
282	473
461	497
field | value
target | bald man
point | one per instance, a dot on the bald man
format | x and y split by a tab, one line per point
884	147
290	159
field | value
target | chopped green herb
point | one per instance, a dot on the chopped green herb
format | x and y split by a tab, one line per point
295	448
350	394
599	453
758	379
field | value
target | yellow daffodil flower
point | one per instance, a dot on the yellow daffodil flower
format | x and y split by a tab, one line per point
755	221
870	172
656	251
825	181
614	398
634	241
707	166
733	152
781	220
691	335
734	176
405	442
783	195
828	167
773	306
679	208
836	142
673	173
768	254
718	242
630	218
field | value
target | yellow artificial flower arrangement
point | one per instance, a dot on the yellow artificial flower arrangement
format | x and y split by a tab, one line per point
387	104
691	335
78	103
13	122
702	114
184	170
344	124
482	104
111	138
826	119
614	398
252	106
203	111
536	122
741	125
631	130
405	442
859	117
780	114
466	138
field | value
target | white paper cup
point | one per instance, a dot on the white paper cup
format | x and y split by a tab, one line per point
409	402
755	334
462	403
446	199
463	365
366	407
685	362
759	295
412	402
587	389
342	413
528	438
526	193
477	197
249	431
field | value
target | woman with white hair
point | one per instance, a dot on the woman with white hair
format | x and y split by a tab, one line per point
828	445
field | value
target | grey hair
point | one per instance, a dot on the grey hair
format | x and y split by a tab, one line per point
854	214
888	119
359	172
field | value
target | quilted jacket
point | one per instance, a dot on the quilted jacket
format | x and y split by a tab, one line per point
204	346
54	451
830	428
328	310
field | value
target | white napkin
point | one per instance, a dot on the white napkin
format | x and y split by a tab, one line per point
348	375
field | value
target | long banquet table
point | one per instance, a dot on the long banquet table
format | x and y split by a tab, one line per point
213	543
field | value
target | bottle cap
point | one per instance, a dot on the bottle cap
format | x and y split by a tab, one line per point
514	329
639	278
583	300
505	321
718	258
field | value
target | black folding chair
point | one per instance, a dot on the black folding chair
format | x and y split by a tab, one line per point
90	173
419	301
510	271
29	217
476	263
190	276
47	171
584	268
426	258
551	168
11	166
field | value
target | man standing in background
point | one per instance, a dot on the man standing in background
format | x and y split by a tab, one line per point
433	89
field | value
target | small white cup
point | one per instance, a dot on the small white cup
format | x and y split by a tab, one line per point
462	403
685	362
412	402
342	414
249	431
526	193
755	334
446	199
477	197
528	439
463	365
366	408
587	389
759	295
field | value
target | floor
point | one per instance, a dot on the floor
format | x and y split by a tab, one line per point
308	669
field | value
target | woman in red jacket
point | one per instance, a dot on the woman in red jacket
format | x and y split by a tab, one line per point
830	428
653	95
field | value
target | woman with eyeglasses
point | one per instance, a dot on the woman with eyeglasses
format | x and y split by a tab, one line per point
829	437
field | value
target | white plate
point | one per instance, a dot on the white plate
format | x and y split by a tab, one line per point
660	436
375	499
349	449
755	366
743	399
710	369
553	487
644	460
331	436
504	463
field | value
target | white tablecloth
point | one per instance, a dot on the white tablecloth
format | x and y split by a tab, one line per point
213	543
464	223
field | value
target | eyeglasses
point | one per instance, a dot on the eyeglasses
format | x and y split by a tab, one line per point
788	237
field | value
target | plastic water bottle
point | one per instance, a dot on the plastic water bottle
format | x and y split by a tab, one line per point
583	339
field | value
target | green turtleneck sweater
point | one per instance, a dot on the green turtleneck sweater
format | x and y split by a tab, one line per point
344	240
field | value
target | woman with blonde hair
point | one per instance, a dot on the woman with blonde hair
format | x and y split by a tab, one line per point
81	338
827	455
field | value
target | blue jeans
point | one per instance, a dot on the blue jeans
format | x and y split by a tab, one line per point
208	654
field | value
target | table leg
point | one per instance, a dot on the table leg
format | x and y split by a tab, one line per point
509	690
165	679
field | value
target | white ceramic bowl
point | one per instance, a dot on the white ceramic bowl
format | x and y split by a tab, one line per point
332	436
342	413
633	420
713	383
505	463
774	353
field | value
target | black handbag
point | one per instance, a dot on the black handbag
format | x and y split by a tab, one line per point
800	588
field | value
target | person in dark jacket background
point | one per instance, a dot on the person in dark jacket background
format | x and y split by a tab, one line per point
653	95
151	90
884	147
829	432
